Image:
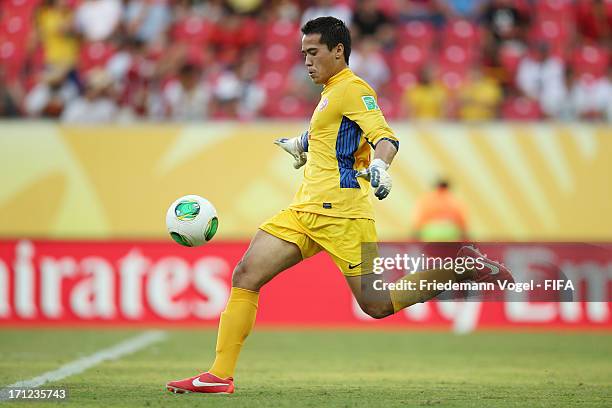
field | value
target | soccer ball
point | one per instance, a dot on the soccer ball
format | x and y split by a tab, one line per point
192	221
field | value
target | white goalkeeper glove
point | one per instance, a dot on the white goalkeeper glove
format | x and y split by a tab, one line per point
295	147
378	177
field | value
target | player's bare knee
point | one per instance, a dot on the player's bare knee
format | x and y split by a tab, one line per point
242	278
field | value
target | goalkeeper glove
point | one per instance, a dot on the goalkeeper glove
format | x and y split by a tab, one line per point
297	147
378	177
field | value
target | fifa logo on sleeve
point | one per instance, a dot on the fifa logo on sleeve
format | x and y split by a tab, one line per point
369	102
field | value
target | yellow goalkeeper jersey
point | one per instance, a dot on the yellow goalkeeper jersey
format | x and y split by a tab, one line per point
346	123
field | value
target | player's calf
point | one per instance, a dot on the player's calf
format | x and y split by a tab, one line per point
377	310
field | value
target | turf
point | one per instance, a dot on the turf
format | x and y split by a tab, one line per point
329	368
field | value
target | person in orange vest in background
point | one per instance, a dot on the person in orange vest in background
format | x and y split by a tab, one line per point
439	216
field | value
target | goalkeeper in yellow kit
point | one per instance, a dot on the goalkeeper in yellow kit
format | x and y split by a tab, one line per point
332	210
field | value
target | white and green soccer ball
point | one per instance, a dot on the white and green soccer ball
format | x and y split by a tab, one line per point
192	221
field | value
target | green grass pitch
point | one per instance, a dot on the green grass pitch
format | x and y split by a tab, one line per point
328	368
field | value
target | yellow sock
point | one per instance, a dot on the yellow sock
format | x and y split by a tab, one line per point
235	325
404	298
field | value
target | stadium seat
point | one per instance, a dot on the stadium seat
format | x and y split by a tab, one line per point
94	55
521	108
243	35
409	58
274	82
453	65
193	30
452	77
279	57
281	32
12	57
390	104
510	56
16	27
590	60
559	10
462	33
416	33
554	33
456	57
404	80
22	8
406	64
195	55
287	106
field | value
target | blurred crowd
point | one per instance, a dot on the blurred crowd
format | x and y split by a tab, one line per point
471	60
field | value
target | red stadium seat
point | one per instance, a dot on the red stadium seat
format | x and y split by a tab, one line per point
521	108
456	57
405	80
390	104
591	60
462	33
453	64
406	64
523	6
452	78
554	33
22	3
242	35
16	27
195	55
348	3
588	21
279	57
510	56
193	30
409	58
22	8
12	57
274	82
94	55
281	32
416	33
287	106
559	10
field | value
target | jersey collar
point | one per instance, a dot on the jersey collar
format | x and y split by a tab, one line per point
345	73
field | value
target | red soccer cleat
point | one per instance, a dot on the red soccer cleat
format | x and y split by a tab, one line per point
492	271
205	383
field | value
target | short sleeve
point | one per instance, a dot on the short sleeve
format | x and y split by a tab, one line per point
360	104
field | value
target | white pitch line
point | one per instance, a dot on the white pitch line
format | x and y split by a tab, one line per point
126	347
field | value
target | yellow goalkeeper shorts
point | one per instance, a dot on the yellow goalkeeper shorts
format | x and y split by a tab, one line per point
341	238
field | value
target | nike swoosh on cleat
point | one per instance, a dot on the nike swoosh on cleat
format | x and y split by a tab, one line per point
494	269
197	383
354	266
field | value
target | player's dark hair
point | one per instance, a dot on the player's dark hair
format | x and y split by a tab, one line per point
333	32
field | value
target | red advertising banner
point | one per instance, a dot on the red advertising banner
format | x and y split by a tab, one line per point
160	283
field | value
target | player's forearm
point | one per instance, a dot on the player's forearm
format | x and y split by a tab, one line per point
385	150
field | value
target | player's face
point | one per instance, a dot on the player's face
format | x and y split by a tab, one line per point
321	63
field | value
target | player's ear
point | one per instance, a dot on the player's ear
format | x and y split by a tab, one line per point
339	51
